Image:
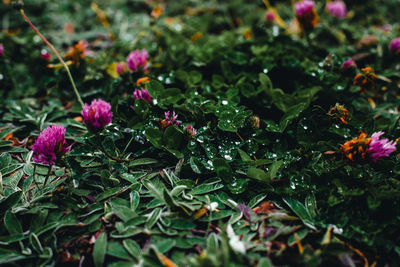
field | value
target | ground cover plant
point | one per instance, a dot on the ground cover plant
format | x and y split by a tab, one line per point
199	133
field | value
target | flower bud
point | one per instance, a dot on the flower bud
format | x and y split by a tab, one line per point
270	16
349	64
191	130
45	54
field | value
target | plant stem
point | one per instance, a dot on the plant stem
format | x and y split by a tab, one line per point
108	154
126	147
47	176
57	55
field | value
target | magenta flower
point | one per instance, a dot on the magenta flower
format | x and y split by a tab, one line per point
380	148
349	64
303	7
395	46
136	59
1	50
337	9
168	121
143	94
97	115
45	54
270	16
50	145
191	130
122	68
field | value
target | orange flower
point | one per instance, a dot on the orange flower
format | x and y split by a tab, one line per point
196	37
142	80
247	34
77	52
357	148
157	12
366	80
340	113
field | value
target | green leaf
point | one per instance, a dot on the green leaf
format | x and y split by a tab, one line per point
258	174
244	156
173	137
205	188
196	165
141	108
109	193
99	250
263	176
10	201
212	242
265	262
311	205
155	189
133	248
223	170
170	96
165	245
153	218
155	136
292	113
301	212
117	250
217	81
155	88
273	168
134	200
35	243
11	223
142	161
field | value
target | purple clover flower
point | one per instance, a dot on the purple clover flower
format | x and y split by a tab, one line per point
270	16
168	121
380	148
337	9
303	7
97	115
50	145
191	130
143	94
1	50
395	46
349	64
136	59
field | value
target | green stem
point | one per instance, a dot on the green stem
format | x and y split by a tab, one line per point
47	176
126	147
57	55
306	33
